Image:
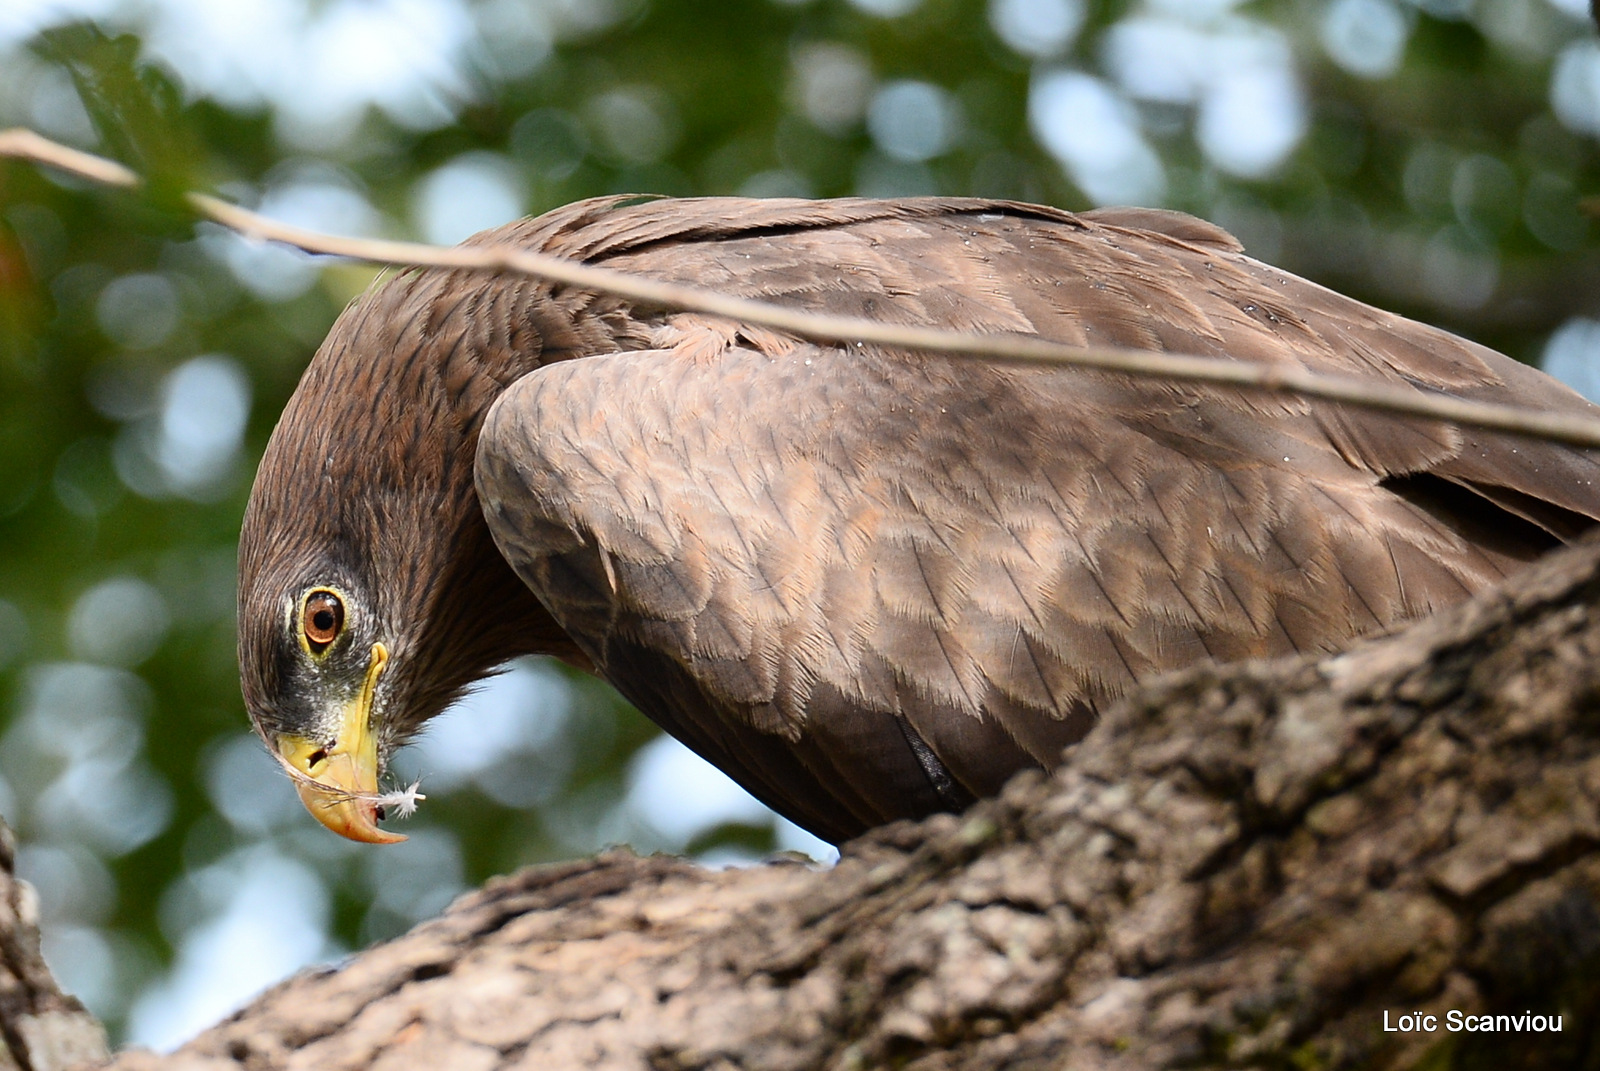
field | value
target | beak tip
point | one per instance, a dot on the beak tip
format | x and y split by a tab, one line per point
353	819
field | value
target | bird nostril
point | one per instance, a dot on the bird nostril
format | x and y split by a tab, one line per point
378	812
316	758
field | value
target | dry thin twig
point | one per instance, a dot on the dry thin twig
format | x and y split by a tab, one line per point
1016	349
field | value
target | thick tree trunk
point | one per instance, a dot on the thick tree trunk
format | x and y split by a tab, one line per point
1243	866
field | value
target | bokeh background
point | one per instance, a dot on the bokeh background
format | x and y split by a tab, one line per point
1431	156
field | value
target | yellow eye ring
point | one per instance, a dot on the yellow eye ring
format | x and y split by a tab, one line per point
321	619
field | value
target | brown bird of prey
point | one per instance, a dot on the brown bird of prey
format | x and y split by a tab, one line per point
867	584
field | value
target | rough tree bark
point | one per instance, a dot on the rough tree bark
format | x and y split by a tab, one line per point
41	1029
1243	866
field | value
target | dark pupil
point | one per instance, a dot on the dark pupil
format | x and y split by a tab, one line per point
323	620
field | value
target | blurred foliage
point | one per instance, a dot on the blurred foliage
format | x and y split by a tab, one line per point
1440	184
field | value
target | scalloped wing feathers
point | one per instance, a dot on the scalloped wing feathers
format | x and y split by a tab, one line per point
821	565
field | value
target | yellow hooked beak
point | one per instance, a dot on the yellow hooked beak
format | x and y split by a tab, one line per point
341	775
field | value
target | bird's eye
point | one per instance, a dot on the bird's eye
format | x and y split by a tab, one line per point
322	619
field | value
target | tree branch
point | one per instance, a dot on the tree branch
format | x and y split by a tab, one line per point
1242	866
41	1028
1015	349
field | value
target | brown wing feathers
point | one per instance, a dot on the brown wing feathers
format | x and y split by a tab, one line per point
843	573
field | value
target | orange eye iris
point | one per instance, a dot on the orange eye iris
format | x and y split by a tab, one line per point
322	619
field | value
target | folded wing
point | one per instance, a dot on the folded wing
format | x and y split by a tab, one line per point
870	585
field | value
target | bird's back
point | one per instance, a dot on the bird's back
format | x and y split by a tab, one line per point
871	584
